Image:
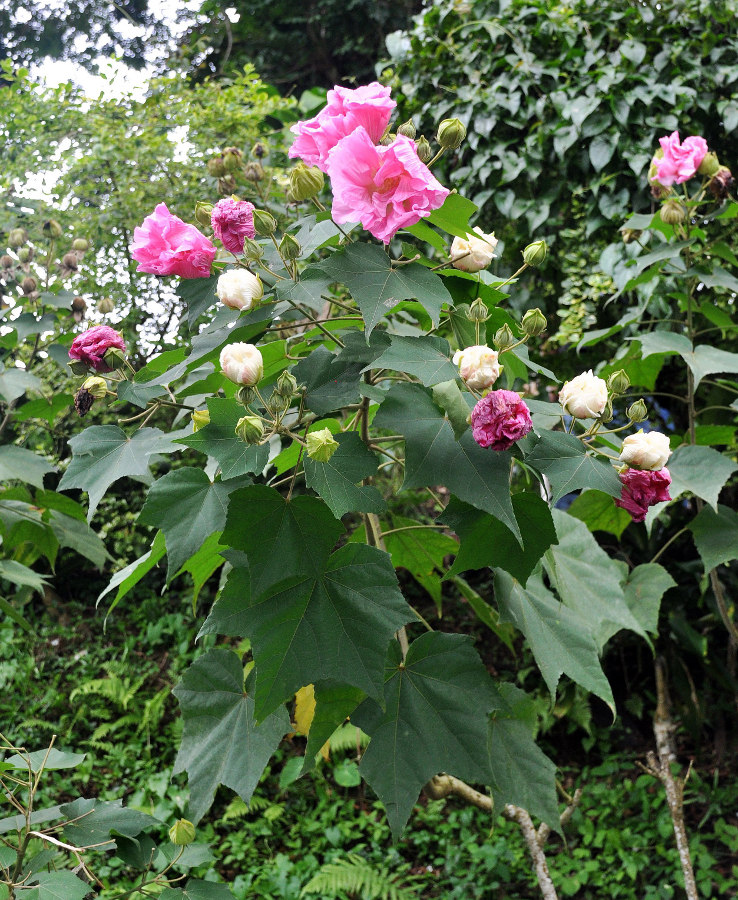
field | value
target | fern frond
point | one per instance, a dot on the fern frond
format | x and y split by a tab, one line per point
354	875
345	738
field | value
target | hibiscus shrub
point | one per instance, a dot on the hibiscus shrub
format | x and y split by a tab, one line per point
323	385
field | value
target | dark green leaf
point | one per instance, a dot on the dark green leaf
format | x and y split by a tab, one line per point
332	382
716	536
337	480
643	590
57	886
426	357
568	466
199	295
334	702
17	463
92	821
599	513
701	470
197	890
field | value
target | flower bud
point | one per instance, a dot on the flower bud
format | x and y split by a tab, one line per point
534	322
250	429
182	833
252	252
259	150
200	418
289	247
29	284
216	167
387	139
286	384
17	237
6	261
451	133
504	338
709	164
81	245
672	212
264	223
242	363
227	185
425	152
245	395
105	305
408	129
232	159
630	235
721	183
478	311
96	385
646	450
606	414
321	445
25	254
70	261
584	397
305	182
114	357
637	412
618	382
535	253
239	289
277	403
52	229
254	172
474	252
203	214
79	304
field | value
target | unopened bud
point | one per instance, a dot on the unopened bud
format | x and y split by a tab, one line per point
254	171
114	358
451	133
408	129
387	139
250	429
709	165
534	322
630	235
81	245
232	157
606	414
286	384
70	261
264	223
672	212
203	213
478	311
79	304
182	833
305	182
425	151
321	445
252	251
105	305
618	382
200	418
216	167
25	254
245	395
637	412
277	403
6	261
289	247
721	183
17	237
29	284
535	253
52	229
504	338
97	386
227	185
259	150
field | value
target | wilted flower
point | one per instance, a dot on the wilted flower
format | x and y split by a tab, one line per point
500	419
91	346
641	490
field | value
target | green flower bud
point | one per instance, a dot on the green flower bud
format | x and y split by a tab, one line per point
630	235
17	237
387	139
286	384
305	182
672	212
504	338
245	395
114	358
408	129
606	414
425	152
637	412
96	386
52	229
232	157
478	311
25	254
535	253
252	251
203	212
264	223
278	403
250	429
709	165
216	167
182	833
618	382
254	171
200	418
105	305
451	133
321	445
289	247
534	322
81	245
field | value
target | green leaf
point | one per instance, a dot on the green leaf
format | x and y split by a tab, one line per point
126	579
448	396
197	890
377	287
92	821
560	641
70	532
332	382
435	720
588	580
57	886
701	470
426	357
199	295
702	360
337	480
15	382
601	150
17	463
139	394
203	564
187	507
104	453
522	773
218	439
599	513
433	455
334	702
422	552
16	573
309	291
45	759
487	542
453	216
221	742
44	409
643	590
330	624
563	459
716	536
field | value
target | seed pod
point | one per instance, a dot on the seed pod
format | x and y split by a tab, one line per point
29	284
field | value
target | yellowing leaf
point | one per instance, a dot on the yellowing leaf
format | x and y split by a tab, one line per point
304	709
